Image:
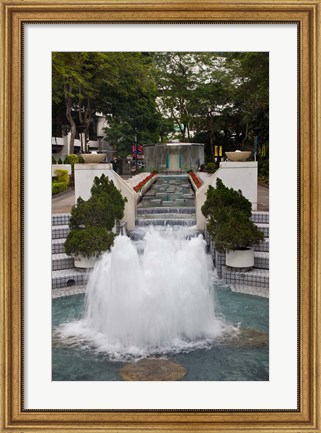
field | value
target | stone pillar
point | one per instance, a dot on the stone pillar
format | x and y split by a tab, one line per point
241	175
236	175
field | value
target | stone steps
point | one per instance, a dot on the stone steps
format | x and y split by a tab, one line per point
256	280
263	246
58	246
170	191
261	259
260	217
68	291
139	233
263	227
144	222
60	219
165	210
256	277
60	231
170	216
68	278
62	261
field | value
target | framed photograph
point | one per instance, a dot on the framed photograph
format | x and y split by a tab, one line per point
168	337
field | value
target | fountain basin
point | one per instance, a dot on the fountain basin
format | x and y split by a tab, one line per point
243	356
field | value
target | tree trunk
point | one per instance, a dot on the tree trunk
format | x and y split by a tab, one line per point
210	132
245	135
86	119
73	129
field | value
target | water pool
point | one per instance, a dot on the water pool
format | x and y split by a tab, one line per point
217	362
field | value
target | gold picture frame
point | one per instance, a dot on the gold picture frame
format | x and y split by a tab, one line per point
14	13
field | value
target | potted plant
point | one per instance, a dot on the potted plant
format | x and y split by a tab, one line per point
92	222
228	215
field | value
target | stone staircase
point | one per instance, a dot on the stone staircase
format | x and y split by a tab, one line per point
64	275
168	191
170	202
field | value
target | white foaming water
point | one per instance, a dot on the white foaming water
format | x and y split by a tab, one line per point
157	302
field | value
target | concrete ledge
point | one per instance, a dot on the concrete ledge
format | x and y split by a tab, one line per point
238	164
93	166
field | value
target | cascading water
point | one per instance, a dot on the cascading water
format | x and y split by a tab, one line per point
157	302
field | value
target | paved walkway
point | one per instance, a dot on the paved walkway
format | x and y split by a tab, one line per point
263	197
64	201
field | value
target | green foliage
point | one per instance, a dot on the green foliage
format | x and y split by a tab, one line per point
105	206
72	159
263	180
98	211
221	97
263	170
59	161
263	166
210	167
62	176
131	107
119	85
89	241
53	161
105	188
58	187
229	218
60	182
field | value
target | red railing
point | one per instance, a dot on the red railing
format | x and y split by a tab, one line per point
196	180
140	185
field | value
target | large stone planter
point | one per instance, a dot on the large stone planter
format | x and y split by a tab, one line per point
93	158
240	259
85	263
238	156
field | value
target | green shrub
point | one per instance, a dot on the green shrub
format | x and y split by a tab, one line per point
72	159
95	216
58	187
264	180
62	176
60	181
89	241
59	161
210	167
99	210
104	187
53	161
228	214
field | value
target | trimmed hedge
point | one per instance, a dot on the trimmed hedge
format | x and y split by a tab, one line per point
210	167
92	221
60	182
58	187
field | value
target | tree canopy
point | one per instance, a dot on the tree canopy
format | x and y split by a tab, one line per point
214	98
